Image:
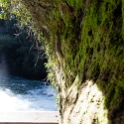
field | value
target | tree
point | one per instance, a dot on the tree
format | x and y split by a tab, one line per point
84	42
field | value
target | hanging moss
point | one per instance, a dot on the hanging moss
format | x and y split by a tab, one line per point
84	40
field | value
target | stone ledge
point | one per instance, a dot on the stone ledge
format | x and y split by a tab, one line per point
24	117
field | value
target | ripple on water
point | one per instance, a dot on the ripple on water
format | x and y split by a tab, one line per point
21	94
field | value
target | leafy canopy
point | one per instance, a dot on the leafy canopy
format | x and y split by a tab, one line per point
10	8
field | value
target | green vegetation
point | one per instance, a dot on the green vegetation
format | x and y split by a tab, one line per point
84	40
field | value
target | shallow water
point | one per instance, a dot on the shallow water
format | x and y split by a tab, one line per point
19	94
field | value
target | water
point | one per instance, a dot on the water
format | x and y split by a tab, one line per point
18	94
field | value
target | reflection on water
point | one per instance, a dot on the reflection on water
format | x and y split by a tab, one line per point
18	94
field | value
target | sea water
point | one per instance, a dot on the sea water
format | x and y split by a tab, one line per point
19	94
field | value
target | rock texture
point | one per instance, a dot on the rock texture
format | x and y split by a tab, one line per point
85	48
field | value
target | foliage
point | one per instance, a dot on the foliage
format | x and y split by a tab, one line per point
10	8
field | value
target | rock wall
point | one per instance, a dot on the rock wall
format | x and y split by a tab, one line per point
85	49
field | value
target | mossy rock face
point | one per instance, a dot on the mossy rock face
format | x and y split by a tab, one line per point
84	43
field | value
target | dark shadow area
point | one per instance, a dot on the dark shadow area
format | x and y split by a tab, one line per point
20	53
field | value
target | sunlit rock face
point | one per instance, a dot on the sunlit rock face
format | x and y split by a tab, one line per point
88	108
85	49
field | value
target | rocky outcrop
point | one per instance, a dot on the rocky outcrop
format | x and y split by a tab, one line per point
85	48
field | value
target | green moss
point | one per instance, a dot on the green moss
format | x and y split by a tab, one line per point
84	39
71	3
75	4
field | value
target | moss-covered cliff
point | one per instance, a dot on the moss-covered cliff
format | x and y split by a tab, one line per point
85	48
